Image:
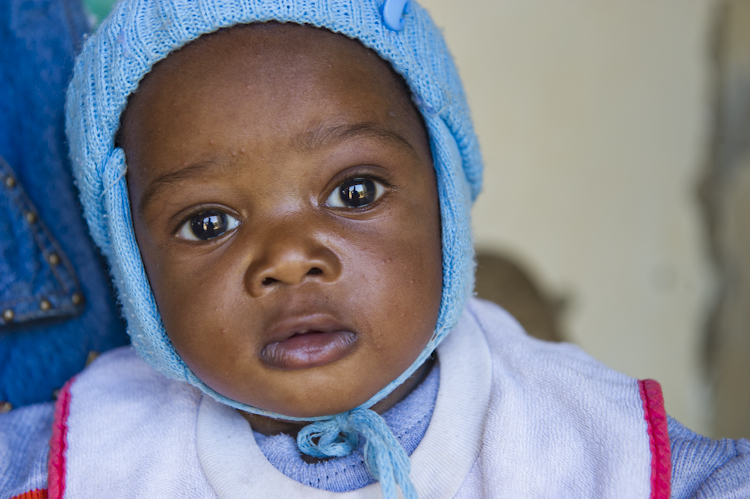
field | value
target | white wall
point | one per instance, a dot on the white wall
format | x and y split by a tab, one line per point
594	117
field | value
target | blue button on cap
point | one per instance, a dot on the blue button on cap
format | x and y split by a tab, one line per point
393	14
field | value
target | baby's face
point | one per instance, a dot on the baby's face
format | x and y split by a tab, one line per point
285	205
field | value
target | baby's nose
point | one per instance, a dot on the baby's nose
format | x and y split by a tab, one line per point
290	263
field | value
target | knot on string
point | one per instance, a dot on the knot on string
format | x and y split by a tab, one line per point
386	459
330	438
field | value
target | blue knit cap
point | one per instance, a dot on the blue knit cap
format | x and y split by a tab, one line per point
138	34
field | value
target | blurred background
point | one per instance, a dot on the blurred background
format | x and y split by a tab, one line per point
616	203
616	137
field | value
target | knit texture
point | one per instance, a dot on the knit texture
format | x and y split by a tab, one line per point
703	468
138	34
24	449
384	456
408	420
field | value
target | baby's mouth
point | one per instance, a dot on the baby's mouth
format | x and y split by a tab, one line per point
309	348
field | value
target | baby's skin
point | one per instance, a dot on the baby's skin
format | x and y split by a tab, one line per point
285	205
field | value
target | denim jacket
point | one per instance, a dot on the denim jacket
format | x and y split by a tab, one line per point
56	302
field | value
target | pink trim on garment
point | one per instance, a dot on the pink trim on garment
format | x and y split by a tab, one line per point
658	436
58	444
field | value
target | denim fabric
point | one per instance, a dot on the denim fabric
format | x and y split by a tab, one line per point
36	279
43	346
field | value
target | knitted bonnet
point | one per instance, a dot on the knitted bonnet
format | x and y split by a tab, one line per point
138	34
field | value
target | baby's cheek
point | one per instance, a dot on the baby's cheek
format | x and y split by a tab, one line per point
406	279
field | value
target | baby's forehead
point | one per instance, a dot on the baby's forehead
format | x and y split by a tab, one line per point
267	91
293	57
272	65
284	52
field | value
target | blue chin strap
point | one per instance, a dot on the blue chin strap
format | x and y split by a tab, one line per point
138	34
385	458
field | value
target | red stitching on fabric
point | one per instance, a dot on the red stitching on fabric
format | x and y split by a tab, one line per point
658	436
32	494
59	444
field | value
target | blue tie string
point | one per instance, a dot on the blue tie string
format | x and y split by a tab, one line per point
385	457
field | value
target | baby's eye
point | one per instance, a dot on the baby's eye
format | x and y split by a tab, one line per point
355	193
207	225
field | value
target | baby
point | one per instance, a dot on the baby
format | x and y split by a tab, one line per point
283	190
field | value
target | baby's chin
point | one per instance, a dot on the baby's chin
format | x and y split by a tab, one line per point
274	426
323	403
330	402
303	393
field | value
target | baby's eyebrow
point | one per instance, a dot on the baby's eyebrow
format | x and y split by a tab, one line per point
322	135
169	178
311	139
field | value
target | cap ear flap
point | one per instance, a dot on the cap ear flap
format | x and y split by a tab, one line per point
455	218
459	263
146	331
